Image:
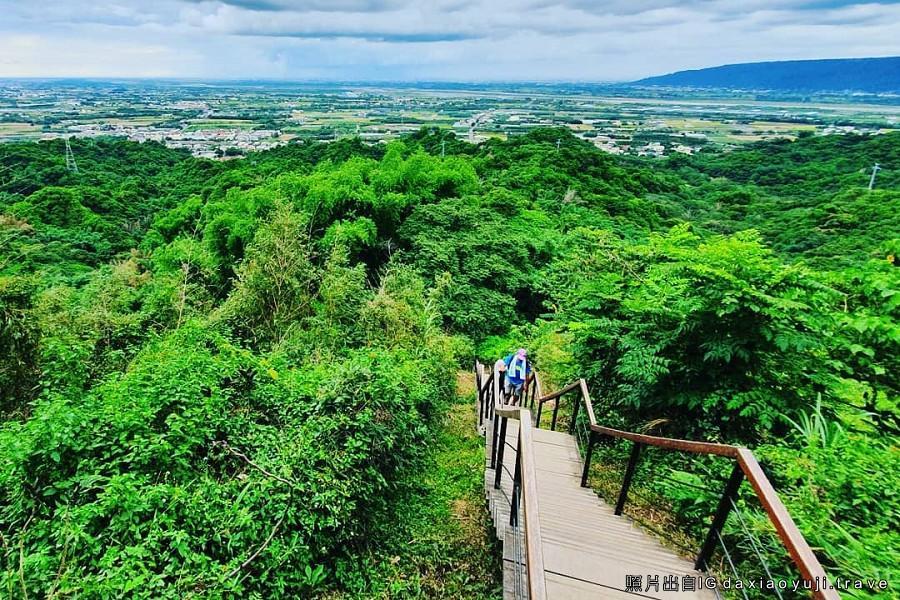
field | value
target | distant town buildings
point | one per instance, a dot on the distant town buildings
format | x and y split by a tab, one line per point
201	142
228	120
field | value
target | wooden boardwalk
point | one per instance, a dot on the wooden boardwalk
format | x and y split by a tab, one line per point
588	551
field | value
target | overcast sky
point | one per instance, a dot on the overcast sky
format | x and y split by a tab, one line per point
462	40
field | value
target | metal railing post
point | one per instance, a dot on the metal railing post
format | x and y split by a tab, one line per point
574	416
500	448
486	395
629	473
537	418
722	511
496	391
555	413
592	437
495	425
491	399
517	482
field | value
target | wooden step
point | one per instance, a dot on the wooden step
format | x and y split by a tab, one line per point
588	551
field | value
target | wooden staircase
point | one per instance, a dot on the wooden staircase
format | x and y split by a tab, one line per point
562	541
588	551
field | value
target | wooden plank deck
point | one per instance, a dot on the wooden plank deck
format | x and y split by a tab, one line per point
588	550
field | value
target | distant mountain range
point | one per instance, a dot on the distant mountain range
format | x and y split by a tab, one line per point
841	74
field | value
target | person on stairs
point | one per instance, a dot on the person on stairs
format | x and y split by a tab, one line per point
500	367
518	369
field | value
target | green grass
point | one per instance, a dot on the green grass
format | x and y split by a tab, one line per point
443	547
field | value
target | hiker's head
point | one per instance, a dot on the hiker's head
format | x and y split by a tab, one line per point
522	353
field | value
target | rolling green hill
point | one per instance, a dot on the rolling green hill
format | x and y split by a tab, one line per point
222	379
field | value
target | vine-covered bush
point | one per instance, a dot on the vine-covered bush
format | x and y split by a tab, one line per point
210	469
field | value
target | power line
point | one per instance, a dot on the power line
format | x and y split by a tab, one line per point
20	190
7	168
9	184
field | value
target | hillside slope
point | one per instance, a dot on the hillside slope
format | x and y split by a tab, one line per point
227	379
857	74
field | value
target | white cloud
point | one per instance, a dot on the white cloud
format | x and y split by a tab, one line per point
430	39
30	55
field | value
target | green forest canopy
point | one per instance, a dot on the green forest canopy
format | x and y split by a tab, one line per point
187	347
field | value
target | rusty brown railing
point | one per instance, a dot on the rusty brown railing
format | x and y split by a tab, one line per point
746	466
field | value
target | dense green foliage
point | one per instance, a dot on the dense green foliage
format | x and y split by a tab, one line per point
717	330
216	377
807	198
442	544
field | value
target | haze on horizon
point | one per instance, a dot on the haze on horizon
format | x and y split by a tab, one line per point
461	40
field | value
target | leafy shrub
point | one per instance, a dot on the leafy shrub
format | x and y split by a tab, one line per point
206	469
715	333
19	338
276	281
849	485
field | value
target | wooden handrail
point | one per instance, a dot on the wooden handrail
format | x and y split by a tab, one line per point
526	472
587	402
539	390
537	587
790	536
793	540
534	545
479	378
558	393
670	443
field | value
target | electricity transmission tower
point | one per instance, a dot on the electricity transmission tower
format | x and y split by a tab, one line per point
875	168
71	165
